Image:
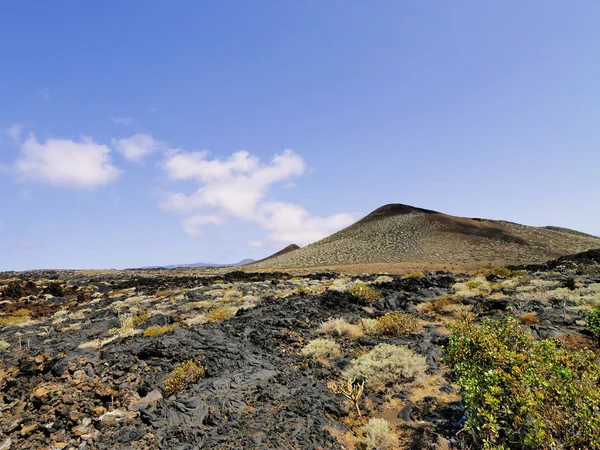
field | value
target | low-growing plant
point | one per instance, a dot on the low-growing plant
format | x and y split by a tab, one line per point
592	320
340	327
500	272
438	305
322	349
523	393
221	313
379	435
17	317
365	292
396	323
473	284
369	326
414	275
182	376
386	363
157	330
530	319
129	323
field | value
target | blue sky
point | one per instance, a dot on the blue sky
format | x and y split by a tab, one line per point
145	133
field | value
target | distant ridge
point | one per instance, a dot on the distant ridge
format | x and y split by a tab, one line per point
176	266
398	233
283	251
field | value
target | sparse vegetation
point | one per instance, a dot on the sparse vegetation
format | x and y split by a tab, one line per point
340	327
182	376
221	313
16	318
395	324
530	319
157	330
379	435
322	349
365	292
523	393
414	275
386	363
438	305
129	323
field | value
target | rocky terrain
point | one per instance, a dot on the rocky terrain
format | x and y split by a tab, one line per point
176	360
401	234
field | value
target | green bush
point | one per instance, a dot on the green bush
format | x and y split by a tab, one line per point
593	321
182	376
365	292
396	324
387	363
521	393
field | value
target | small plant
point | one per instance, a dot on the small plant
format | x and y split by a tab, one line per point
379	435
438	305
365	292
129	323
473	284
352	390
396	324
18	317
386	363
221	313
322	349
592	320
340	327
530	319
413	275
157	330
370	326
182	376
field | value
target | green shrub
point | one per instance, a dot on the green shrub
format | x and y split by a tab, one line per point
157	330
592	320
387	363
365	292
522	393
322	349
473	284
182	376
396	324
414	275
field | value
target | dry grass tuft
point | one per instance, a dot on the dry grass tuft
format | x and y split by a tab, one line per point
530	319
340	327
414	275
18	317
379	435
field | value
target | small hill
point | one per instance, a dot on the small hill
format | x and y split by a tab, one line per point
401	234
283	251
200	264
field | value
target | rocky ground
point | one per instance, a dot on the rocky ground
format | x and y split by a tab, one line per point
88	359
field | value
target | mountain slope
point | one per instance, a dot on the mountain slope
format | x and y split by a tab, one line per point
399	233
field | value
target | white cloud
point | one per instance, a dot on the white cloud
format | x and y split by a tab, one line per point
14	132
238	187
193	225
137	147
82	164
128	121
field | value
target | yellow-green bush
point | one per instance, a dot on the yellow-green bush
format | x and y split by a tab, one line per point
523	393
365	292
413	275
182	376
396	324
322	349
16	318
386	363
221	313
157	330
